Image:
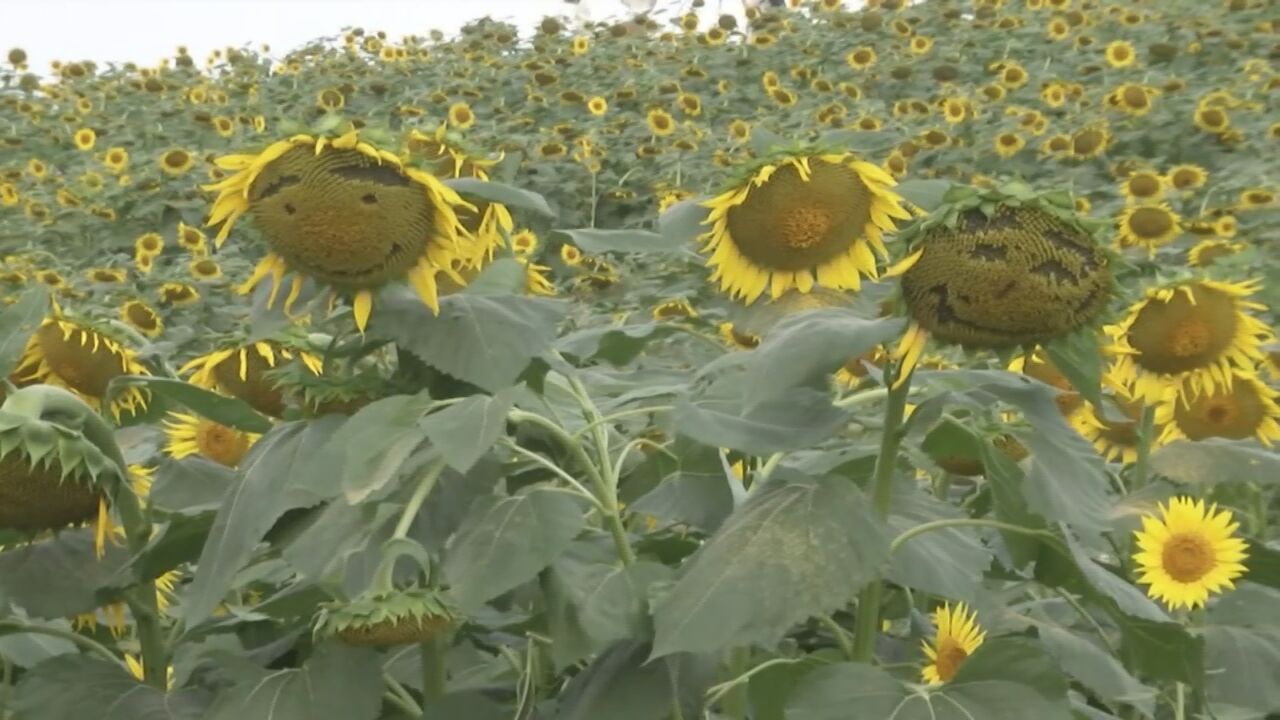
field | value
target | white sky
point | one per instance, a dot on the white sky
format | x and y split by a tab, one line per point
144	31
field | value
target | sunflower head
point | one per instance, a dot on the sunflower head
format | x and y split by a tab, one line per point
398	617
1244	408
193	435
1004	267
83	357
51	476
242	371
957	636
141	317
800	220
328	394
1188	552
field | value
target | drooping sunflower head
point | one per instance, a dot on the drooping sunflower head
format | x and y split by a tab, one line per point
1187	336
242	371
343	212
194	435
398	617
1243	409
141	317
50	475
1004	267
957	636
340	393
1206	252
1112	429
1188	553
799	221
82	357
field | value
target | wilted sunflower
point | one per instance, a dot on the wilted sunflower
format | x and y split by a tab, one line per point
387	619
738	339
801	220
1186	337
1245	408
345	213
674	310
139	316
1189	552
79	357
193	435
240	371
957	636
1149	226
1000	268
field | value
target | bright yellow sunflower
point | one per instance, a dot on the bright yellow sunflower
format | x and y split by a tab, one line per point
1186	337
1245	408
1143	187
1187	177
193	435
1149	226
1188	553
801	221
1120	53
345	213
85	138
957	636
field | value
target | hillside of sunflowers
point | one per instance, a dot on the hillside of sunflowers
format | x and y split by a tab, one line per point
916	361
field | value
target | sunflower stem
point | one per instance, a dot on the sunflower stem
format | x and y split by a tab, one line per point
384	577
16	626
1180	701
606	482
867	624
434	670
1146	428
736	703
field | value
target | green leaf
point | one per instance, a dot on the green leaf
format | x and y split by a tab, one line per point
598	241
61	576
18	322
691	488
506	331
264	490
465	431
508	195
1096	669
503	276
336	683
25	649
793	550
81	686
683	222
720	417
1161	651
618	345
807	347
367	449
925	194
621	685
222	409
847	691
1079	358
1242	667
1215	460
949	562
190	486
610	600
506	541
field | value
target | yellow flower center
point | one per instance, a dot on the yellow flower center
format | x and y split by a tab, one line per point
950	656
1187	557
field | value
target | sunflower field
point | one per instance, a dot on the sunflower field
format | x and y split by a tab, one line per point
914	361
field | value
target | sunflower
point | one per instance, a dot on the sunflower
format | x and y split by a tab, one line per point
144	264
461	116
1000	268
1254	198
240	371
1090	142
345	213
1186	337
738	339
85	138
205	269
861	58
193	435
677	309
1143	187
1204	253
9	196
800	221
1247	408
139	316
1120	53
176	162
958	636
1113	430
1187	177
524	242
597	106
192	239
330	99
224	126
1149	226
1212	119
1133	98
1007	144
1037	365
78	357
116	160
1189	552
172	293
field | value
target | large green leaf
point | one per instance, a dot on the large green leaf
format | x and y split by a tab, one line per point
82	686
61	576
610	600
223	409
486	340
1212	461
1161	650
465	431
689	486
720	417
1096	669
1242	666
682	223
621	685
805	348
264	490
367	449
797	548
506	541
924	193
847	691
190	485
25	649
18	322
598	241
947	562
336	683
508	195
1079	357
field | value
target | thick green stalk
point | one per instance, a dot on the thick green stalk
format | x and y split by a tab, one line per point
434	670
867	624
383	578
1146	429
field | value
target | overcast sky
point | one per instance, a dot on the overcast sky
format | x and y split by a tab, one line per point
143	31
